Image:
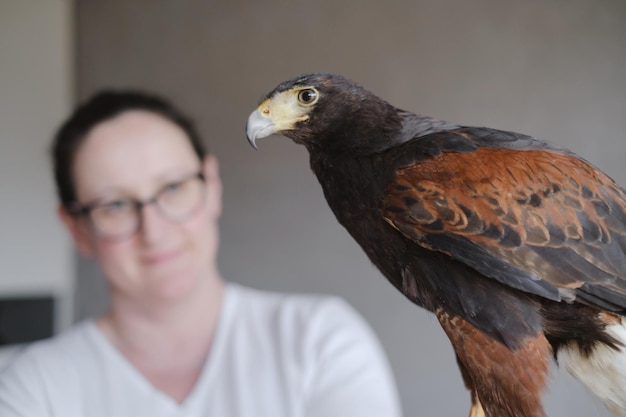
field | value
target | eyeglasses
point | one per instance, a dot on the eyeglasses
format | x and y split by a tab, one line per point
121	218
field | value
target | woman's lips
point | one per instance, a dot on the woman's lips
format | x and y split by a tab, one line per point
154	259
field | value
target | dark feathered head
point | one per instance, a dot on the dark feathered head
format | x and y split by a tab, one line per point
326	113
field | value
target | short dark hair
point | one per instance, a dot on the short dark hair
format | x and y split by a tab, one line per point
102	106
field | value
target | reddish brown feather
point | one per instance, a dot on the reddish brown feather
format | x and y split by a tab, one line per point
487	367
536	195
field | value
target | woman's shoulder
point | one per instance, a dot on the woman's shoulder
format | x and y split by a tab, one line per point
289	304
53	355
325	342
312	314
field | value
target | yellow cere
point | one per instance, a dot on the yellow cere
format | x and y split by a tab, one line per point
284	109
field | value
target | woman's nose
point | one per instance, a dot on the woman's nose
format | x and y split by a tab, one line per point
153	225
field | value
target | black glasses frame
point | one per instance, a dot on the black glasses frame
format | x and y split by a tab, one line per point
84	210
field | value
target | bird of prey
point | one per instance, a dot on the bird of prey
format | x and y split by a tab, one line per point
516	244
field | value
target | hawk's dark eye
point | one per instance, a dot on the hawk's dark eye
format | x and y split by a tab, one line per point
307	96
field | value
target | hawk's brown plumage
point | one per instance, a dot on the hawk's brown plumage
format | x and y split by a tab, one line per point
516	244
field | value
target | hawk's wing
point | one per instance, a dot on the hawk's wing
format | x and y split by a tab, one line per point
515	209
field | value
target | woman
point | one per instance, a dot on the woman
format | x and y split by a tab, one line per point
140	195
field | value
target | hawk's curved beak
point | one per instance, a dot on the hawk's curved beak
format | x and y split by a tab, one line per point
258	126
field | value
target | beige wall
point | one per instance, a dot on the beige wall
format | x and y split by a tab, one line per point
553	69
35	92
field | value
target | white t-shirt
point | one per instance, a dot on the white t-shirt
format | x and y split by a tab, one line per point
273	355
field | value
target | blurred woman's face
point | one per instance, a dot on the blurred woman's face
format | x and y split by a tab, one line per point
134	157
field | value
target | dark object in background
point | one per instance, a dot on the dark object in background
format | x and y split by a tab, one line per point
26	319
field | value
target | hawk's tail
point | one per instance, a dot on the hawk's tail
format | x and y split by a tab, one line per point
603	369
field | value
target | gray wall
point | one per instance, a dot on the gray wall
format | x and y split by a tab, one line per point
553	69
36	82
